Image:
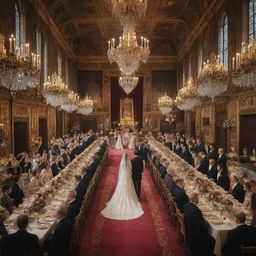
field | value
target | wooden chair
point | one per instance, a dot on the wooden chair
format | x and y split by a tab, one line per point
248	251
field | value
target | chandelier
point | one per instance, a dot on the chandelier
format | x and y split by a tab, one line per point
85	106
244	66
18	69
55	90
127	53
71	102
165	104
212	81
128	83
121	8
187	97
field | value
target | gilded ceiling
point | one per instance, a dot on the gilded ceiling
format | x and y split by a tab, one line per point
87	25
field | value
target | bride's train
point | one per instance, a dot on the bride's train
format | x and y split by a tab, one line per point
124	204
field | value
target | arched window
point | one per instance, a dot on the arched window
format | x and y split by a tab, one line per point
252	20
17	26
223	41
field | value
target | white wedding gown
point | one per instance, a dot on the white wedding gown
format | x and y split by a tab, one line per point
132	142
124	204
119	144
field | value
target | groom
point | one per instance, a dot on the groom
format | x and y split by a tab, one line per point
137	169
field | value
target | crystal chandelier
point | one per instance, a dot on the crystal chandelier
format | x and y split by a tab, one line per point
212	81
165	104
187	97
71	102
85	106
55	91
121	8
18	69
128	83
244	66
128	54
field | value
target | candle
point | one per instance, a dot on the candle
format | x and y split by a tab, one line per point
147	43
233	63
142	41
108	44
10	44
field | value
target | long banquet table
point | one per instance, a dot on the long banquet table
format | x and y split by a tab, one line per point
219	214
42	222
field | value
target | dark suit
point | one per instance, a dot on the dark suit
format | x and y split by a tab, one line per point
21	243
59	241
223	160
137	169
204	165
238	193
180	197
162	171
73	209
169	182
242	235
223	181
212	173
213	154
199	148
55	169
17	194
187	156
83	186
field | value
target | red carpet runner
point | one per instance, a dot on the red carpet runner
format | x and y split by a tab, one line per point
149	235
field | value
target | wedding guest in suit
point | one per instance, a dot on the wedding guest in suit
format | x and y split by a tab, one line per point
58	244
169	179
248	195
17	192
212	170
199	146
73	205
21	243
65	156
222	177
204	164
198	238
54	166
185	154
137	169
241	235
212	154
237	189
82	187
222	159
180	195
6	201
162	168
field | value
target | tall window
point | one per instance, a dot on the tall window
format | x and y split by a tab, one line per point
59	60
190	67
17	26
223	40
252	20
200	60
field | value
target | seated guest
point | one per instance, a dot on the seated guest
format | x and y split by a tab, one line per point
248	195
162	168
34	184
82	187
54	166
169	180
6	201
212	170
237	189
21	243
65	156
199	241
4	214
185	154
46	174
241	235
73	205
60	161
17	192
204	164
177	149
212	153
58	243
180	195
222	158
199	146
222	177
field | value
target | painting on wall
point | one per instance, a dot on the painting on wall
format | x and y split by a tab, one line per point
163	82
90	83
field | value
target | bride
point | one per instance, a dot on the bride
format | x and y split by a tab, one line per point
119	144
124	204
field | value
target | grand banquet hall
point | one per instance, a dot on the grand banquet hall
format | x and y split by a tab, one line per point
127	127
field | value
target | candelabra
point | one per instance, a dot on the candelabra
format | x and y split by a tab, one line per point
165	104
55	91
70	103
18	70
128	83
212	81
85	106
